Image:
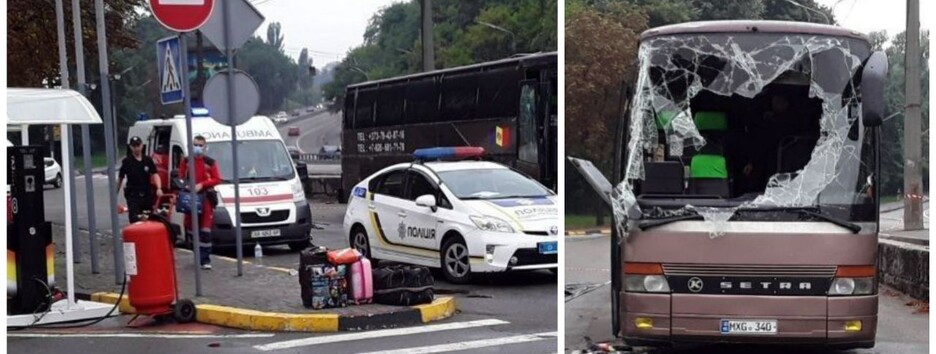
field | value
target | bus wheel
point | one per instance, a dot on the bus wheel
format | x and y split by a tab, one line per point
456	265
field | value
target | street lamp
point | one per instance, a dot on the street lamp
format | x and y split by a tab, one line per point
513	37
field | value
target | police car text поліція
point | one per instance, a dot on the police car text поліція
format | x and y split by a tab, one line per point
461	216
274	209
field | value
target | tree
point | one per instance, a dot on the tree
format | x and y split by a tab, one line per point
275	36
32	37
808	11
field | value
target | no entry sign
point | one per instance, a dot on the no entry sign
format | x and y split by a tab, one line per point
182	15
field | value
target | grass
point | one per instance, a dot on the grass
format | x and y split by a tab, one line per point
97	160
890	199
581	222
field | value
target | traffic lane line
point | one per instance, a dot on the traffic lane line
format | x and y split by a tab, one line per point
140	335
377	334
469	345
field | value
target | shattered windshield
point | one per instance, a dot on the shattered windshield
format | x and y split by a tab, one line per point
726	125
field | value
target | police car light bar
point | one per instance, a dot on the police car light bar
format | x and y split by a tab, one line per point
199	112
448	152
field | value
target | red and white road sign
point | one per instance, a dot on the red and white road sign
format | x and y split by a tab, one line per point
182	15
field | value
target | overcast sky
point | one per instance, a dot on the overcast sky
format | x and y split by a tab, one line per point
328	28
874	15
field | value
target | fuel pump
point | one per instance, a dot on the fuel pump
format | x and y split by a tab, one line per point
29	235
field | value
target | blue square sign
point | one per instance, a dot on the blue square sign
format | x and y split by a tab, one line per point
169	59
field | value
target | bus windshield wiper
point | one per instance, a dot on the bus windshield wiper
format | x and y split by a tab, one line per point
816	213
649	224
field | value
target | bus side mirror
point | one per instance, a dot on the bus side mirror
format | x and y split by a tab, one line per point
873	77
303	170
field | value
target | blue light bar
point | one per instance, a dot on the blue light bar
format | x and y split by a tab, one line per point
199	112
448	152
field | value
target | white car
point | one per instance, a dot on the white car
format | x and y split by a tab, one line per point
281	117
53	172
464	217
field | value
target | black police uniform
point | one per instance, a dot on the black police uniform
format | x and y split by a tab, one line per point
139	190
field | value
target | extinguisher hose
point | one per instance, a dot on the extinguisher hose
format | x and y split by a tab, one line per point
77	323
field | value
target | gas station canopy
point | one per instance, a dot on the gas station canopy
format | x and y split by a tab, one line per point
33	106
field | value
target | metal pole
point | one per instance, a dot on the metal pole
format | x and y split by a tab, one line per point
913	178
232	114
109	140
66	160
187	102
85	140
428	48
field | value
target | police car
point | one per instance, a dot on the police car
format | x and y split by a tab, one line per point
464	217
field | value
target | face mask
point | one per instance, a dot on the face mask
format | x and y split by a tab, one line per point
198	150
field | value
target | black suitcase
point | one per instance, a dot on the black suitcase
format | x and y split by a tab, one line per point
309	258
403	285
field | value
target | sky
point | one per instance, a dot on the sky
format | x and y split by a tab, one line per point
329	29
874	15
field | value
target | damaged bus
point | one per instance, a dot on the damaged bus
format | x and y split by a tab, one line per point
746	198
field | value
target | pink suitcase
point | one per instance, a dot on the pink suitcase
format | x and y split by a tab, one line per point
362	282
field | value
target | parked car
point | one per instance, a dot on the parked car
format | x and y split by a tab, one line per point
293	131
294	152
53	172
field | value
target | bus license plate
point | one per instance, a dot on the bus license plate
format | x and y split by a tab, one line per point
265	233
749	327
548	247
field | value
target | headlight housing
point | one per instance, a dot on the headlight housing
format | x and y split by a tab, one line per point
298	193
490	223
646	284
851	286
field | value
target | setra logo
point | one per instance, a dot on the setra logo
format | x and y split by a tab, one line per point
695	284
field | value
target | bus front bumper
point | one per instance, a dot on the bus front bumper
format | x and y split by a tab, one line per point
808	320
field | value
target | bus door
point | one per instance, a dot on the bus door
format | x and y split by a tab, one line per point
528	137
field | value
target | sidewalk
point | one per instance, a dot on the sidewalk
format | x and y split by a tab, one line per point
264	298
917	237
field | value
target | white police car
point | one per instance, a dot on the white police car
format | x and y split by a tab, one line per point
462	216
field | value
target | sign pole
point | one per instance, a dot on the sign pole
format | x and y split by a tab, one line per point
85	139
196	243
232	113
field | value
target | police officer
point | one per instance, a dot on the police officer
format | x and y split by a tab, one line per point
142	180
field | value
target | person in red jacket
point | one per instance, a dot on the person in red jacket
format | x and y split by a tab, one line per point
207	175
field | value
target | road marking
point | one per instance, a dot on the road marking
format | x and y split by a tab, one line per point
475	344
377	334
138	335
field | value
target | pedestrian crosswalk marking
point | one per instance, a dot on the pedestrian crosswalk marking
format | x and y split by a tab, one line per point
170	80
377	334
475	344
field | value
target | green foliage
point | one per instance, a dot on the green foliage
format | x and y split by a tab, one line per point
464	32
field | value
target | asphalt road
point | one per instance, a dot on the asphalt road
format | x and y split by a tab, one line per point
516	309
900	330
318	129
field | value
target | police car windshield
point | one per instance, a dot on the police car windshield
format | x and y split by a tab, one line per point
491	184
259	160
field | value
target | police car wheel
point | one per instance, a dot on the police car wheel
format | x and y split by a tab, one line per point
456	265
360	242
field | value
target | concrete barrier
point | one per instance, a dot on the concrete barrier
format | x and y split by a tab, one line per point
905	267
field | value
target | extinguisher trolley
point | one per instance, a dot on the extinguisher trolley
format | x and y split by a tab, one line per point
150	258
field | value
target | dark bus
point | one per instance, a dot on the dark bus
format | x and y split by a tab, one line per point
507	106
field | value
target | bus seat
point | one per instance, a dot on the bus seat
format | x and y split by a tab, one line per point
663	178
709	176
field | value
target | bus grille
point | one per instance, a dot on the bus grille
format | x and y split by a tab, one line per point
824	271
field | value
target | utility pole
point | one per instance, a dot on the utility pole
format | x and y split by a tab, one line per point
913	179
427	45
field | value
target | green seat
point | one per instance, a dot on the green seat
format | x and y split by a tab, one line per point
708	166
711	121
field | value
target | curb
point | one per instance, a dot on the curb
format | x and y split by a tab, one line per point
440	308
904	239
588	232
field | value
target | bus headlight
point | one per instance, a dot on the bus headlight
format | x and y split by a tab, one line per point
646	284
852	286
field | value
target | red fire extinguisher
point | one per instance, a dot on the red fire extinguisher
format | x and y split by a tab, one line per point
150	262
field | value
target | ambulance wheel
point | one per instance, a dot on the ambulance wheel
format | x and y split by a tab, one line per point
456	264
184	311
359	241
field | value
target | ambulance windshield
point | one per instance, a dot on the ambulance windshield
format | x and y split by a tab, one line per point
259	160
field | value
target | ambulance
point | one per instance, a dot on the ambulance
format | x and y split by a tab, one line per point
274	209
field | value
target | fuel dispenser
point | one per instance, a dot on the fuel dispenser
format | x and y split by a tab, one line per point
30	265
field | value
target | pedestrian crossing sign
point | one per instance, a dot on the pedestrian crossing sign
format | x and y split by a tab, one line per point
169	59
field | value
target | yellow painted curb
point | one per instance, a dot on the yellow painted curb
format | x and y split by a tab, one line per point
440	308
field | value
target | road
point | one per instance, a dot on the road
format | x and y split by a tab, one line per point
320	128
893	219
900	330
515	308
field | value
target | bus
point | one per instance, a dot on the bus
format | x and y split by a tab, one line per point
507	106
746	198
